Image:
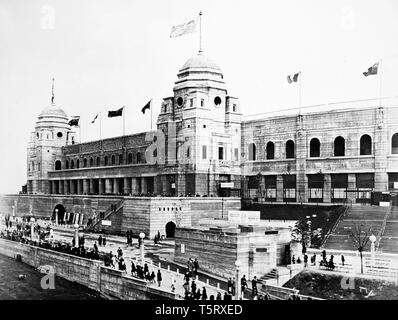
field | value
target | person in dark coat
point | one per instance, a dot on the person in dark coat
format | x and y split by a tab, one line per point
133	268
243	284
193	286
100	240
342	260
219	297
146	269
204	294
159	278
104	241
254	286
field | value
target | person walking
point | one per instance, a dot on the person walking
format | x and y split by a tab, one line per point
133	268
305	261
204	294
104	241
243	285
254	286
342	260
193	286
196	265
159	278
100	240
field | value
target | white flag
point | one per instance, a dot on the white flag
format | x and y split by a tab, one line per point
184	28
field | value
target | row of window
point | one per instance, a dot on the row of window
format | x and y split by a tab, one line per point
365	148
107	160
217	102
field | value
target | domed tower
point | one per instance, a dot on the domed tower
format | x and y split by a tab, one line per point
52	132
207	123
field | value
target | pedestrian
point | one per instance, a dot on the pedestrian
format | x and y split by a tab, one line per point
219	297
204	294
133	268
293	259
229	286
122	265
119	253
193	286
243	284
187	276
173	288
305	261
159	277
128	237
314	259
254	286
95	247
146	269
100	240
158	236
186	286
196	265
197	294
342	260
324	255
104	241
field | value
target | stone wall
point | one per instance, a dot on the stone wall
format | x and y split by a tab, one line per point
85	272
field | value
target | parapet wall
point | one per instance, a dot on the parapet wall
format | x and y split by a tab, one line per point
85	272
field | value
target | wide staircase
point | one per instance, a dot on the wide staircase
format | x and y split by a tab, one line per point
273	274
96	223
365	217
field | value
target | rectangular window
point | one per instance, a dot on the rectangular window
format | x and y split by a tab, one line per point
234	107
236	154
191	102
220	153
204	152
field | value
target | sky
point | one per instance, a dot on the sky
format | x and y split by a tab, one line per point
105	54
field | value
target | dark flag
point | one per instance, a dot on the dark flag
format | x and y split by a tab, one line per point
293	78
95	118
372	70
74	121
116	113
147	106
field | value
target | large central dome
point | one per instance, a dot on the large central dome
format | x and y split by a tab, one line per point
200	62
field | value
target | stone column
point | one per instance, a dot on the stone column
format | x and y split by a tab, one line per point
115	185
66	187
135	186
61	187
327	188
85	186
165	184
382	148
108	186
126	185
144	189
157	185
79	187
92	186
279	188
351	186
100	186
72	186
181	184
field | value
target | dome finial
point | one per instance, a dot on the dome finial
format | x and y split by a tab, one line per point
52	92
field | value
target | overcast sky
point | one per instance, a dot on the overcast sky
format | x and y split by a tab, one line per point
110	53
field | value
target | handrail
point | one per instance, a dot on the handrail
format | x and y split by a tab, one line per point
108	212
333	229
382	229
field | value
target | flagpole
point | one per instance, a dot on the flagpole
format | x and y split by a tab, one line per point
200	32
124	122
299	92
150	105
380	82
100	125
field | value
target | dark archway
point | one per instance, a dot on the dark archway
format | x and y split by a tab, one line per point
290	152
58	165
170	229
61	213
339	147
270	150
365	145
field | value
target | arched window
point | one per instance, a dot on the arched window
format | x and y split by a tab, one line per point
84	163
106	160
77	164
98	161
113	160
290	149
58	165
270	150
138	157
365	145
72	164
120	159
394	144
130	158
91	162
67	164
315	148
339	147
252	152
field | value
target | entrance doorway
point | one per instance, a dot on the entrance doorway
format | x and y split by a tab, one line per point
170	229
60	211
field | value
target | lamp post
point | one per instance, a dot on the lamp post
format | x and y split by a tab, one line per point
32	230
372	239
142	236
238	265
13	212
76	235
56	216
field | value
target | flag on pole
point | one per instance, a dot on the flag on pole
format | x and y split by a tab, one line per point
372	70
184	28
293	78
74	121
147	106
116	113
95	118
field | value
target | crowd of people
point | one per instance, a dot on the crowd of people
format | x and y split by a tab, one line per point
323	262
